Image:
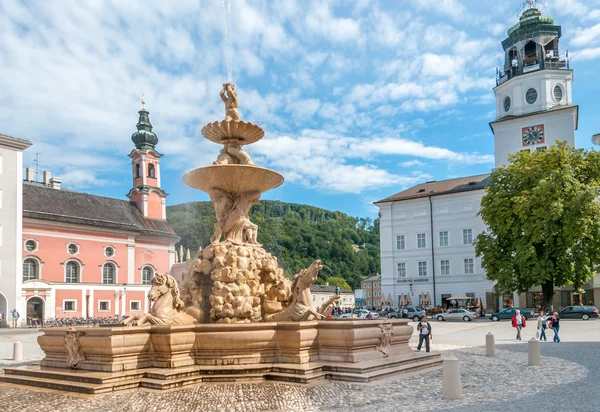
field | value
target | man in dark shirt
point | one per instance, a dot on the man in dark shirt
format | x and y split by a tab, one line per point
424	329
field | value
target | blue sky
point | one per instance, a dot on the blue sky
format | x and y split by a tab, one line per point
358	100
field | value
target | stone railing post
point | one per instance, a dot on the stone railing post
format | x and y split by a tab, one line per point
452	385
533	352
18	351
490	345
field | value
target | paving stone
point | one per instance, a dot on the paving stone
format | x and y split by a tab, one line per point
485	379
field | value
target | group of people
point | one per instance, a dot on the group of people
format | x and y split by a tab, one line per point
543	322
14	318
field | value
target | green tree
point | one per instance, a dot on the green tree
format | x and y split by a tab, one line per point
338	281
544	218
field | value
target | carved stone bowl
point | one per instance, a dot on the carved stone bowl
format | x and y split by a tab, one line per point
230	131
233	178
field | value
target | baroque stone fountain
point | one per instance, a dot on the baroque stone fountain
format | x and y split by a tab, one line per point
235	316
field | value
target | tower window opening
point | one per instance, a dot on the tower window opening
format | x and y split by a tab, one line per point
530	53
506	104
558	93
137	170
151	171
551	50
531	96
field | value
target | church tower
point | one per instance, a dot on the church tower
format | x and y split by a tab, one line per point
534	102
145	166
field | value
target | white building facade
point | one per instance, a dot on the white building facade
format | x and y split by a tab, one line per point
11	222
427	230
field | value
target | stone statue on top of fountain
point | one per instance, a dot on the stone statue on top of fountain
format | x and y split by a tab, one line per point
229	97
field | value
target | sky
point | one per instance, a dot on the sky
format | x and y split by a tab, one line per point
358	99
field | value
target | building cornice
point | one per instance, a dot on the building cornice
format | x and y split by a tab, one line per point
541	112
14	142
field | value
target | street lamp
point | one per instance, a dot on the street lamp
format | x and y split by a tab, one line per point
410	285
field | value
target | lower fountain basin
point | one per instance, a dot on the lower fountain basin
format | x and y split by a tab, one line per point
233	178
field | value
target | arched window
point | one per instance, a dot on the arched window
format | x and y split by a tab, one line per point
147	275
137	170
30	269
72	272
151	172
108	273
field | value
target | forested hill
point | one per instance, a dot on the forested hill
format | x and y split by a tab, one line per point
296	234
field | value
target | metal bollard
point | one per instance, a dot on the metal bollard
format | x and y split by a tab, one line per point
452	385
18	351
533	352
490	345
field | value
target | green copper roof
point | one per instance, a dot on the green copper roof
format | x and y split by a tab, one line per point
144	138
531	17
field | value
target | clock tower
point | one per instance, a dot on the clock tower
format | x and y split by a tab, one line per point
534	105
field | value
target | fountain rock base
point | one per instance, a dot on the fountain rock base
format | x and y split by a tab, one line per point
235	284
166	357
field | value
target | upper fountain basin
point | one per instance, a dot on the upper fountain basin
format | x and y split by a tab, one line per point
231	131
233	178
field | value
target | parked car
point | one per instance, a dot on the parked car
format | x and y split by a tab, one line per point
457	314
395	314
359	313
509	313
578	312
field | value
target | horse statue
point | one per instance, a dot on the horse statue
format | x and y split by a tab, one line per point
301	304
167	306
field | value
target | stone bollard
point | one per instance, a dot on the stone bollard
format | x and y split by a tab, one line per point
452	385
490	345
18	351
533	352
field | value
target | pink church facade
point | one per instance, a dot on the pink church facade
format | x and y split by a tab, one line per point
92	256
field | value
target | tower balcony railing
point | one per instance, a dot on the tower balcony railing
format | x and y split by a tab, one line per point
553	63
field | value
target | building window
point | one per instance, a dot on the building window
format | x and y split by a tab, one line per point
103	305
402	270
422	269
109	251
506	104
531	96
369	293
72	248
69	305
421	240
469	269
444	238
467	236
30	269
558	93
108	273
137	171
541	149
400	242
151	172
72	272
147	275
31	245
445	266
134	305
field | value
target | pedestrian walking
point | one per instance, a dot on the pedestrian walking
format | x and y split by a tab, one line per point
424	329
542	323
555	325
519	322
15	317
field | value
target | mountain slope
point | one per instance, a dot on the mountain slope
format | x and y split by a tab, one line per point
296	234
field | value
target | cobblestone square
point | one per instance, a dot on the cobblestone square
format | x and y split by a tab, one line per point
502	383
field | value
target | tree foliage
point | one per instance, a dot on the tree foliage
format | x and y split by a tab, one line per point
544	215
296	234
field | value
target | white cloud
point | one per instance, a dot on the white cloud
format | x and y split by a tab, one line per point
586	54
302	109
412	163
586	36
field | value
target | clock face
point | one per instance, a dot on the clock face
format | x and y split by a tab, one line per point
533	135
